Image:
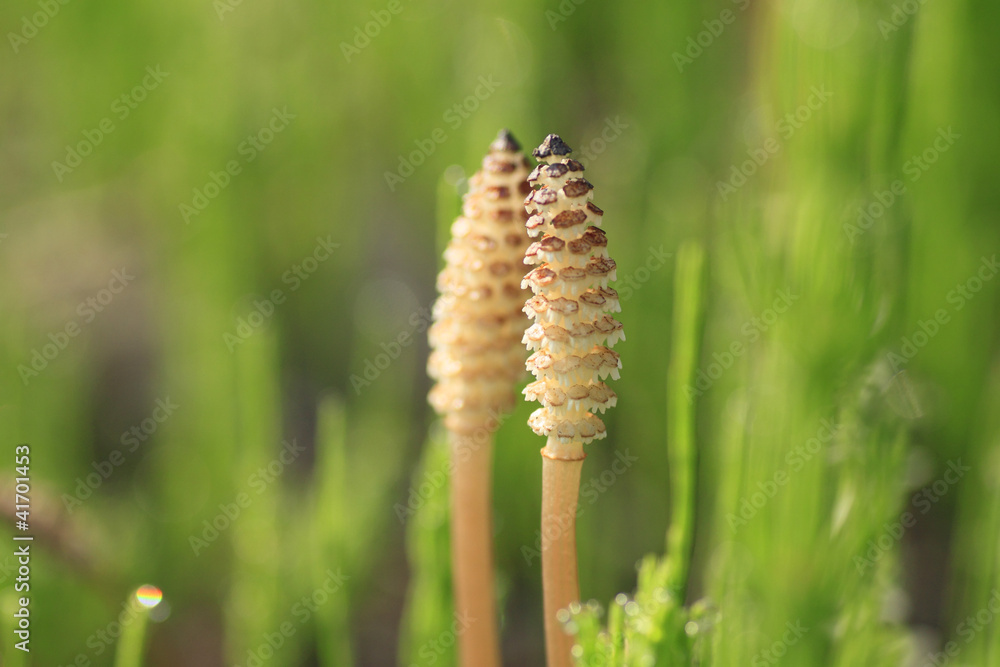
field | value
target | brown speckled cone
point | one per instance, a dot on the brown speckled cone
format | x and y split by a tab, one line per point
477	359
478	322
572	335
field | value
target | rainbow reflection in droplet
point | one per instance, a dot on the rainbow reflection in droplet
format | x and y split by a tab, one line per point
149	596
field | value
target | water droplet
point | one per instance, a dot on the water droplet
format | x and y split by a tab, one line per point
148	596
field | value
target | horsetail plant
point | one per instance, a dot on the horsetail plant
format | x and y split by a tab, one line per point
571	339
476	361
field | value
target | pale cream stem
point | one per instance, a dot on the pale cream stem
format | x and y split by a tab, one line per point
472	549
561	466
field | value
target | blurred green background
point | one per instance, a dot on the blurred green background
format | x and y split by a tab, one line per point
218	218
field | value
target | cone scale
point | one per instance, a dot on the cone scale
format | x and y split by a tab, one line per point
570	340
476	362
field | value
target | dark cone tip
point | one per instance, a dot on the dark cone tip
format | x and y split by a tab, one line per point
552	145
505	141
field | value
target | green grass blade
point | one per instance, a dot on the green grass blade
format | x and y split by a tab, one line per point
681	412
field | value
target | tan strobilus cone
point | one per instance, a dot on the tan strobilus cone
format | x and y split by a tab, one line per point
571	339
477	360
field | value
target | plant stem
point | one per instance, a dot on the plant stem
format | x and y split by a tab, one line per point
682	454
128	653
472	551
561	465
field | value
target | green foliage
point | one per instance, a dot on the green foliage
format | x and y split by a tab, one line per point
429	610
653	627
658	136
